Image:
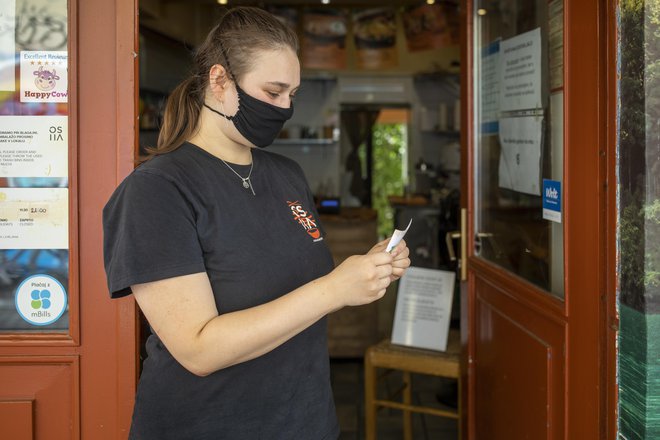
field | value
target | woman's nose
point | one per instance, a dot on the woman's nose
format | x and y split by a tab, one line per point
284	101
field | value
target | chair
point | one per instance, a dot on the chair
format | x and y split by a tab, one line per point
408	360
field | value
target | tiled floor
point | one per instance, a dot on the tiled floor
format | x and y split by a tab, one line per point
348	386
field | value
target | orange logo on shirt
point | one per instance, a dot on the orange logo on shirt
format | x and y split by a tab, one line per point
305	219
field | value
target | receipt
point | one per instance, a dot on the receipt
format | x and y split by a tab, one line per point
397	236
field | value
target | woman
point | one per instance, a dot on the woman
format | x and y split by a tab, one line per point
220	245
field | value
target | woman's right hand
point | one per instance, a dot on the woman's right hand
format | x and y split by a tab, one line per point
361	279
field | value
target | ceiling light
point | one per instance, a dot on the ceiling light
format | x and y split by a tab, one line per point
430	2
222	2
325	2
481	11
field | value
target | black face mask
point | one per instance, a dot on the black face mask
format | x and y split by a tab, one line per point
258	121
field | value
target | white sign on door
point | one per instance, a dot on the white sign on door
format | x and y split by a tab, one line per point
520	156
520	72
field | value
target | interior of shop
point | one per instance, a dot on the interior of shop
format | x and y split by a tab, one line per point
376	130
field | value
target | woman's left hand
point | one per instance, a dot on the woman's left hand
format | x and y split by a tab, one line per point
401	255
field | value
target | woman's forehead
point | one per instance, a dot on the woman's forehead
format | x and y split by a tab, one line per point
279	67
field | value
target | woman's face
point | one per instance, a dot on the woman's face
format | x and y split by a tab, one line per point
274	79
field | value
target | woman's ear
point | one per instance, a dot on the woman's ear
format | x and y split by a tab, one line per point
218	80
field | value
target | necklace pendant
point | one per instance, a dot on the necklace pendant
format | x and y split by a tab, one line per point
246	185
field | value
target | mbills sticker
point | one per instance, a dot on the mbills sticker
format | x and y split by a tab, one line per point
305	219
40	299
44	76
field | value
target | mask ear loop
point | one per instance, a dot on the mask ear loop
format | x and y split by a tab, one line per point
231	77
228	117
229	71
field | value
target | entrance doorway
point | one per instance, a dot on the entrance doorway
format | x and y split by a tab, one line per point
535	292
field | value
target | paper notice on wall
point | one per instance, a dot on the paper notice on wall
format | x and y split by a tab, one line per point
520	154
423	308
33	146
7	45
44	76
520	72
34	218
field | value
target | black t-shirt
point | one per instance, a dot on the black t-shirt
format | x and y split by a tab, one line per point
186	212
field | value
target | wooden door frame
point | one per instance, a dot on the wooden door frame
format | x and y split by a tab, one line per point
590	388
100	347
106	50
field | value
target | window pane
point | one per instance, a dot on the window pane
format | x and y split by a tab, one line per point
34	150
519	138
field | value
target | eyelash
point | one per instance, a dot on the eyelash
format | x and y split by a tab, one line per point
276	95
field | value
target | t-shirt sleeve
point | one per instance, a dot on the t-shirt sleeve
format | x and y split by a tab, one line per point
149	233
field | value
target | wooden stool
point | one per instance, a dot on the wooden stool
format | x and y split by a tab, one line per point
408	360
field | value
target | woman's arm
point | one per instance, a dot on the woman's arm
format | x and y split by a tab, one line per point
182	312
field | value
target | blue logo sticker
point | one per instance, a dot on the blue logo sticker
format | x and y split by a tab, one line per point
552	200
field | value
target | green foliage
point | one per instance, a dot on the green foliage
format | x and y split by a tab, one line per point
632	251
639	150
389	147
652	254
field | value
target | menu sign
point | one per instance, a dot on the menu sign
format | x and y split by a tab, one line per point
374	31
431	27
324	39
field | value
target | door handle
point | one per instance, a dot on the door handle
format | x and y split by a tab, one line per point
462	234
449	238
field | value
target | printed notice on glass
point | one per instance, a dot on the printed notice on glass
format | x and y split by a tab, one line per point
33	146
34	218
520	72
44	76
520	154
423	308
7	45
490	89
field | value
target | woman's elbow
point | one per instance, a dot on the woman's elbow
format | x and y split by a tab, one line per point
196	367
200	365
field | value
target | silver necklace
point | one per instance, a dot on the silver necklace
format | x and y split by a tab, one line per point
247	183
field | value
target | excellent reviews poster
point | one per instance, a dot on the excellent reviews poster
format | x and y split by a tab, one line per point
44	76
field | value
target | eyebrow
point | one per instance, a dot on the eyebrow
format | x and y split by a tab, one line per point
281	85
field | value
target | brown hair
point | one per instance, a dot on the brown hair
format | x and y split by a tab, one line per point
232	43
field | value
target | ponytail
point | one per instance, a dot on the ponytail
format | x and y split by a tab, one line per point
180	117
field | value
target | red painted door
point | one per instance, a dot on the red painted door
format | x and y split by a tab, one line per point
535	304
67	353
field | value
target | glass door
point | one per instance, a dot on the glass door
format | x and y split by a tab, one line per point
518	133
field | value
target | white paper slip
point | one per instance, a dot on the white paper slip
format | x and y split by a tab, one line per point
397	236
